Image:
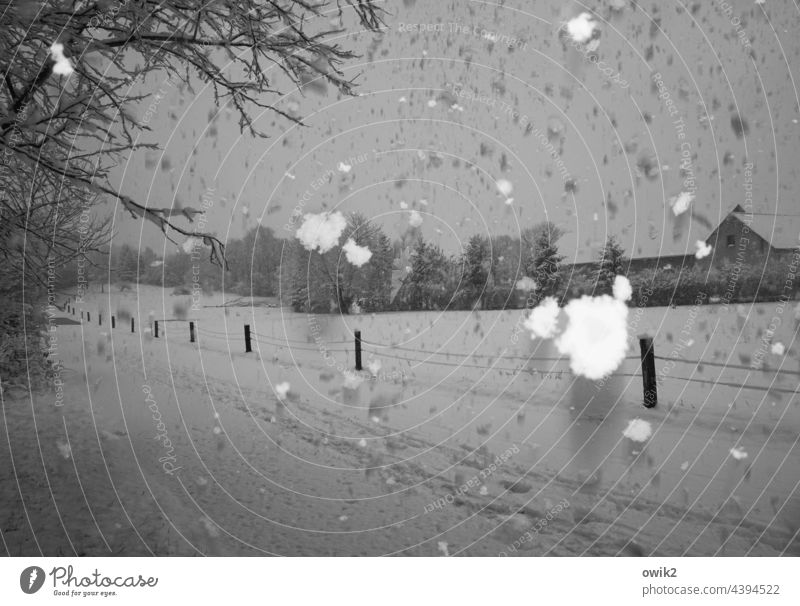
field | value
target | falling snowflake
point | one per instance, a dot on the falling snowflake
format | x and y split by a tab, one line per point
680	203
581	28
703	249
352	380
738	453
596	337
374	367
622	288
415	219
543	319
526	283
64	449
357	255
638	430
321	232
282	390
63	66
210	527
505	187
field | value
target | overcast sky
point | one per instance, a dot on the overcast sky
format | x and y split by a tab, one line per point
445	113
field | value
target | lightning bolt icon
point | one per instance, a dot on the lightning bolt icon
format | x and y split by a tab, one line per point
32	580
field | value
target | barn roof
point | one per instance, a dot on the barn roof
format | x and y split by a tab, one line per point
781	231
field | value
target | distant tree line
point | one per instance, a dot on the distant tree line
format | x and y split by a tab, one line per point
500	272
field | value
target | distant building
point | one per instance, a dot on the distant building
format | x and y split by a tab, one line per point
765	234
746	237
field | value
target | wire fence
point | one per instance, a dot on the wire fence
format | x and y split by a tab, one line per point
197	332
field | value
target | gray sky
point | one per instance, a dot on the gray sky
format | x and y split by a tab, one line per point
405	142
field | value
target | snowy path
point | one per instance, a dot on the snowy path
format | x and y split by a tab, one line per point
387	468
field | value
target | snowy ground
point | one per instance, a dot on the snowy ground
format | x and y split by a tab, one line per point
477	451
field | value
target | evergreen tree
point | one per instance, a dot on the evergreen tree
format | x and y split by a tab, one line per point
430	283
478	263
610	264
543	263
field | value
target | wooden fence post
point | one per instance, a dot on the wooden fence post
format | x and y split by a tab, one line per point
99	319
247	346
191	332
155	328
358	350
648	372
132	325
88	316
113	322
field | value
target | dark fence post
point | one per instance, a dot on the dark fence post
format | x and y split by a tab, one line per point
113	322
191	332
358	350
99	319
132	325
247	346
648	371
88	316
155	328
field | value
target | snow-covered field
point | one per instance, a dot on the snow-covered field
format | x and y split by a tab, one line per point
462	435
